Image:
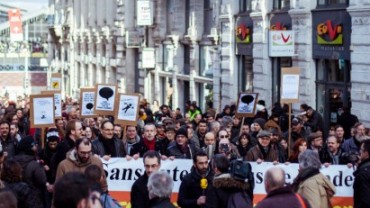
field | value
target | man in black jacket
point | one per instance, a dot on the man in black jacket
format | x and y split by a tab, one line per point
361	185
225	188
107	145
192	193
139	190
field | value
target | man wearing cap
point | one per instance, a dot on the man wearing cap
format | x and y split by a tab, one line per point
298	130
258	125
264	150
183	148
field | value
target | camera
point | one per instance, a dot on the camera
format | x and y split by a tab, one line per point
224	148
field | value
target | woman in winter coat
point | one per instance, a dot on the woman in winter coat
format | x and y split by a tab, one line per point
11	176
33	172
310	183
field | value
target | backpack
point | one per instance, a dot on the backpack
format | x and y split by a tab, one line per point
108	202
239	200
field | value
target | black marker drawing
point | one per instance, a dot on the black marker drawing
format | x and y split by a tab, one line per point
247	104
89	106
127	107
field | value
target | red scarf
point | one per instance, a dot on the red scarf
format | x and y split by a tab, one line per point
149	144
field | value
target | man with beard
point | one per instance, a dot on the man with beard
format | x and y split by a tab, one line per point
353	144
191	193
79	159
139	190
332	153
107	145
7	142
339	133
198	136
14	132
210	144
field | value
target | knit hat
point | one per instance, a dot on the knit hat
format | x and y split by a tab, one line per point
182	131
260	121
52	135
25	145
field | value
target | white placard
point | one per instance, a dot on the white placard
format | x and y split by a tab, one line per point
144	13
148	58
43	110
290	89
58	104
55	83
127	109
281	43
87	103
105	98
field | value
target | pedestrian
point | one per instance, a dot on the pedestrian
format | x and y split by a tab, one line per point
225	189
73	191
279	193
361	185
79	159
160	186
139	190
191	192
310	183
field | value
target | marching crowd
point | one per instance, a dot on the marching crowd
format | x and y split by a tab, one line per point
61	166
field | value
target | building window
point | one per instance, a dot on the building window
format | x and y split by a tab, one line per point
332	3
205	62
186	59
187	13
208	20
245	73
245	6
281	4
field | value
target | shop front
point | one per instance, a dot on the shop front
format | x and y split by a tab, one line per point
331	51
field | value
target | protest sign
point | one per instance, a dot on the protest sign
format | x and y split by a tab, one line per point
87	102
42	111
105	97
121	174
128	109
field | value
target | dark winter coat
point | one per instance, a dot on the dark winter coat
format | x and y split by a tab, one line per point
223	186
256	152
34	175
282	196
361	185
139	193
9	146
63	147
190	189
99	149
347	120
23	193
141	148
315	122
161	203
327	157
177	153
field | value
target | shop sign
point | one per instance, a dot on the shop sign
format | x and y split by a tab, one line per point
331	34
144	13
148	58
133	39
243	35
281	43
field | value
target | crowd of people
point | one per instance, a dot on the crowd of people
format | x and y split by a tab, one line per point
61	166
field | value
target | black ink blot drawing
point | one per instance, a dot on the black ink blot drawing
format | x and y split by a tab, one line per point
127	107
247	100
89	106
106	93
43	115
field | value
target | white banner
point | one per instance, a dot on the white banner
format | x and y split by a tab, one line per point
121	174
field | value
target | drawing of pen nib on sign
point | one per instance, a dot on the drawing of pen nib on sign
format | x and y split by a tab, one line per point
127	107
43	115
106	93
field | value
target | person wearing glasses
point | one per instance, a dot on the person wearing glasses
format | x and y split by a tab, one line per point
107	145
79	159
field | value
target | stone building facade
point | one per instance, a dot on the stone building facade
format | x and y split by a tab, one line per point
214	49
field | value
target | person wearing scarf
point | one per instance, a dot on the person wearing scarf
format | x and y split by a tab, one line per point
263	151
183	148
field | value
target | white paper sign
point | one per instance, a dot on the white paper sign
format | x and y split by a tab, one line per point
281	43
246	103
290	89
55	83
148	58
128	107
87	105
144	13
105	98
58	104
43	110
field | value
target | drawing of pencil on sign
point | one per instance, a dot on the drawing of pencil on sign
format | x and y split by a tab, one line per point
105	97
127	111
42	110
247	104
